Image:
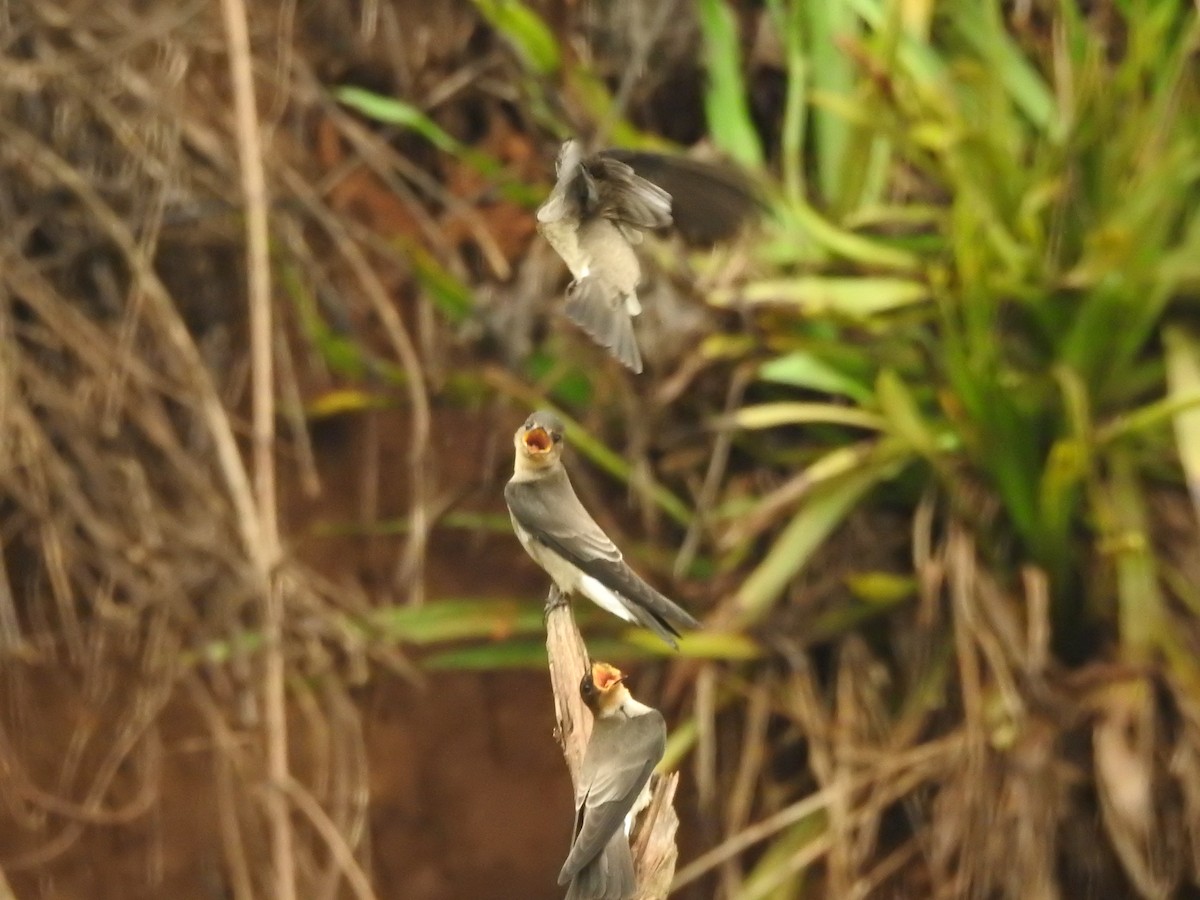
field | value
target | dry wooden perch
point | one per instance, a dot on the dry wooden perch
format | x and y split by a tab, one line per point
653	845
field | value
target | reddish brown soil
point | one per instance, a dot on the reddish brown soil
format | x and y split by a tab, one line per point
469	797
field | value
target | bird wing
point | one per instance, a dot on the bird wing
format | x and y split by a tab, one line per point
709	201
620	194
551	512
616	766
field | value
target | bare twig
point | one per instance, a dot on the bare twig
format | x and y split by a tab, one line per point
654	849
568	664
254	188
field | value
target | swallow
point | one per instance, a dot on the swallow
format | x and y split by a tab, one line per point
560	536
600	207
597	210
628	740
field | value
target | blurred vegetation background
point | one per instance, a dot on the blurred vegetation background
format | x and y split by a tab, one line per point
922	448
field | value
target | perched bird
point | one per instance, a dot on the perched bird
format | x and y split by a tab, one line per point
598	210
564	540
628	740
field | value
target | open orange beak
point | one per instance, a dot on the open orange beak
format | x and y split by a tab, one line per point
606	676
538	441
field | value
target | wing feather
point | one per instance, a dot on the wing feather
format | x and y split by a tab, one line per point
607	792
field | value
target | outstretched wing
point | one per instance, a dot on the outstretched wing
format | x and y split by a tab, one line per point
709	201
624	196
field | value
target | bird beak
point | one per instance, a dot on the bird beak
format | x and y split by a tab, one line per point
608	677
538	441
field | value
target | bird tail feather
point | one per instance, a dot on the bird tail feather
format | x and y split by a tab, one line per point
601	311
609	876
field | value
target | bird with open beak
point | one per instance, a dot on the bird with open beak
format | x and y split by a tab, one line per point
598	209
563	539
628	740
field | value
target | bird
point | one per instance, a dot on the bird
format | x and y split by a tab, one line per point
628	740
600	207
560	536
710	201
596	211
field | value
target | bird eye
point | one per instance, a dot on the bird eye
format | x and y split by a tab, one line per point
557	437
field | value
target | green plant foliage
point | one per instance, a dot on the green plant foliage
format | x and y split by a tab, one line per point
529	35
725	101
1035	295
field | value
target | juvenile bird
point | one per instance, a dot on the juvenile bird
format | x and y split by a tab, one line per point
563	539
598	210
628	740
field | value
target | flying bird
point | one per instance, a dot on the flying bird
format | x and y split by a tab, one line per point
563	539
597	210
600	207
628	740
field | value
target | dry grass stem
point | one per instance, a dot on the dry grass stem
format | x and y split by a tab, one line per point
254	191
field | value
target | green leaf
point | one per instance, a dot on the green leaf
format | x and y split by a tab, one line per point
512	654
774	415
854	298
786	18
703	644
829	28
1141	606
801	219
983	29
466	521
903	415
447	620
450	295
1183	381
807	370
391	111
882	588
529	34
679	743
725	102
774	876
340	401
827	506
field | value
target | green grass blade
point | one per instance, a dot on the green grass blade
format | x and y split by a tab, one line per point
448	620
1140	603
828	27
774	415
853	298
825	509
804	369
786	17
1183	381
725	100
526	31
